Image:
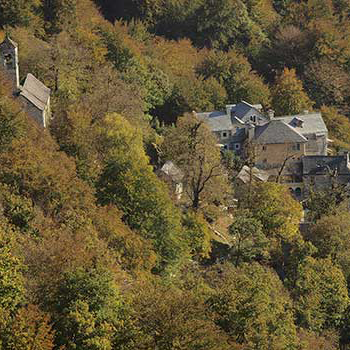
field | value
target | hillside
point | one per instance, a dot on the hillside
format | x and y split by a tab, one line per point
100	250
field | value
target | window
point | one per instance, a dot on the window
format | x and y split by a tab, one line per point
8	60
225	147
296	147
224	135
237	146
264	148
298	192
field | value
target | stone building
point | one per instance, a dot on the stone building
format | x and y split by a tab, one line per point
173	176
321	172
230	125
289	149
34	95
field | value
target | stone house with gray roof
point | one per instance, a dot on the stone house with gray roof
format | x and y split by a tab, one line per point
290	149
230	125
173	176
34	95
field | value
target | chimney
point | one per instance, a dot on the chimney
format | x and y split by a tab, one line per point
271	113
250	130
229	109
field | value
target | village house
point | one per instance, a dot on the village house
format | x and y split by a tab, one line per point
289	149
34	95
230	125
173	177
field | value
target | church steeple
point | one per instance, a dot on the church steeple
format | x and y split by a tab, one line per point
9	61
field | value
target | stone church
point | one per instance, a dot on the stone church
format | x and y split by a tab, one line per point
33	94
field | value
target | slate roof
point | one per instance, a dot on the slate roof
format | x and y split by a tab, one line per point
238	136
242	108
9	41
170	169
312	123
35	92
320	165
217	121
257	174
277	131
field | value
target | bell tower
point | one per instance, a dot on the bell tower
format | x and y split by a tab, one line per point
9	61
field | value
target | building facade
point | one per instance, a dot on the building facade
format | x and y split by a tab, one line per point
34	95
289	149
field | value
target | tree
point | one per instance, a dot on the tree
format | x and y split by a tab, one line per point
170	318
29	330
246	301
331	236
197	233
233	71
288	96
338	125
88	311
127	180
192	147
20	12
248	241
11	278
320	294
59	15
279	214
291	47
325	91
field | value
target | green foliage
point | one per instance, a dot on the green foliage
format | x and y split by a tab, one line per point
320	295
11	268
288	95
107	82
197	234
169	318
88	312
248	241
338	126
127	181
247	301
330	235
29	330
19	12
234	72
192	147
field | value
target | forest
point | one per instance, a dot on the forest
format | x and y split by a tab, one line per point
95	251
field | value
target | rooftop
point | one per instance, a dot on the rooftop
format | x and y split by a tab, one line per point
8	41
35	92
242	108
321	165
170	169
277	131
312	123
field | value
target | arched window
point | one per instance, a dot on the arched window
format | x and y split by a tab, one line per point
298	191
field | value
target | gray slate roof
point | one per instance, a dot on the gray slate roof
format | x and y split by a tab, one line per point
320	165
9	41
313	123
277	131
257	174
238	136
170	169
242	108
35	92
217	121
